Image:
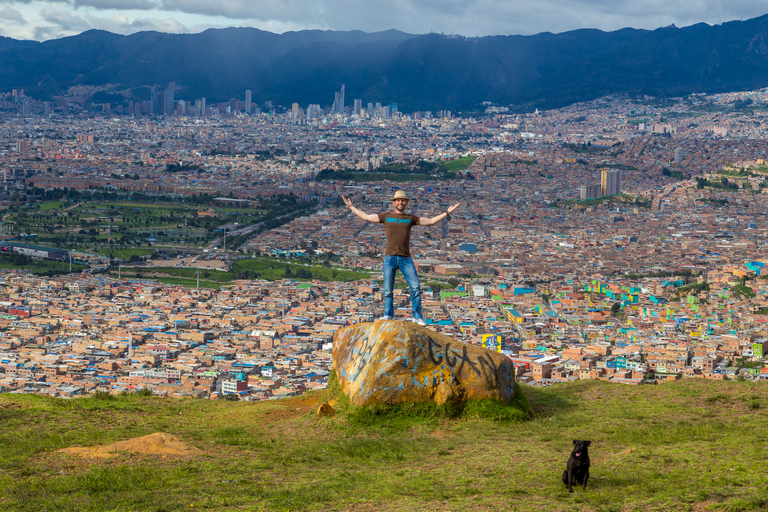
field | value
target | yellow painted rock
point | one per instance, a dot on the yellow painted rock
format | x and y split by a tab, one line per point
394	362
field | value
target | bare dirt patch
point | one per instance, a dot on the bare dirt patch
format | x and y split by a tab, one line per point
157	444
190	262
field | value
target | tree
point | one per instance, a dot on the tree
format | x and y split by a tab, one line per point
615	308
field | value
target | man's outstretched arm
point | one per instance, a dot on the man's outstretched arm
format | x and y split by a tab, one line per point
434	220
369	217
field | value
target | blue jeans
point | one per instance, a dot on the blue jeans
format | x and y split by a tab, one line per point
406	266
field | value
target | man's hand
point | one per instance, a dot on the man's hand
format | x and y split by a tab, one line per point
365	216
423	221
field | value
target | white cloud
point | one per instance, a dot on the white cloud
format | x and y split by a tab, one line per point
12	15
122	5
64	19
121	25
284	11
62	23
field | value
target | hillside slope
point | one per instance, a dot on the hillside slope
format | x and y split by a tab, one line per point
685	445
418	72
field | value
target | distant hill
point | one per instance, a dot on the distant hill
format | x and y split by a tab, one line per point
416	71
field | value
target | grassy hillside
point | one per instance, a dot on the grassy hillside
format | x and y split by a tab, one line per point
685	445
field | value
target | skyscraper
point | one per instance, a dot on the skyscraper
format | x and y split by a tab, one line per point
202	107
590	191
610	183
248	101
358	107
169	102
313	110
338	102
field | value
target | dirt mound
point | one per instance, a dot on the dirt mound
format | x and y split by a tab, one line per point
160	444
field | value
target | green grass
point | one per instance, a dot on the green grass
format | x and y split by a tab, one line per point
43	267
272	269
742	290
85	225
50	205
685	445
460	164
626	199
249	268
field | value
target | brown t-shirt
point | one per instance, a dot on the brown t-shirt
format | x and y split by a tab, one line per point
397	227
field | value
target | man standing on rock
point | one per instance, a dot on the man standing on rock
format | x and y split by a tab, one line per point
397	254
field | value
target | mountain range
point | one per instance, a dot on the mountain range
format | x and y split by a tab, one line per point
418	72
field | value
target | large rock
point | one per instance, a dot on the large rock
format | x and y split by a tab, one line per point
395	362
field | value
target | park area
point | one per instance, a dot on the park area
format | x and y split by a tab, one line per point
121	228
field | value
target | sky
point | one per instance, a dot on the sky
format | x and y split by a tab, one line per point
43	20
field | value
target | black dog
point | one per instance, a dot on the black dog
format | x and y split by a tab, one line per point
577	471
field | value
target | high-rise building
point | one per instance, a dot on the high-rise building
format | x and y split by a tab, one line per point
169	102
610	183
313	110
358	107
590	192
202	107
295	110
248	102
338	102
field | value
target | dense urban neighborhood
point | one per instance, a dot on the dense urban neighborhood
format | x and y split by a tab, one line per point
621	239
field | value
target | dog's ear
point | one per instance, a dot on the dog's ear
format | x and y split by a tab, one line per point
589	443
575	441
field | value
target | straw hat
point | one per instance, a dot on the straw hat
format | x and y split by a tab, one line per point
400	194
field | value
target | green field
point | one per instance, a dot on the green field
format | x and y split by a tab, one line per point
460	164
101	226
689	445
403	173
51	205
249	268
625	199
123	253
38	267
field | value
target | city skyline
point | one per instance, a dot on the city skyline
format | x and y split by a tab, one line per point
40	20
